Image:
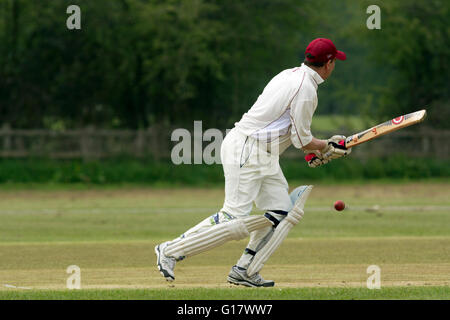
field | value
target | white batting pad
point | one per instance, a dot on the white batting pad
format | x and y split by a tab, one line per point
217	235
280	233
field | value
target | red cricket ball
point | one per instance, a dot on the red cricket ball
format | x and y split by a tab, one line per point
339	205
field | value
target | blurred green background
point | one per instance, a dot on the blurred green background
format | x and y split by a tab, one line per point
139	64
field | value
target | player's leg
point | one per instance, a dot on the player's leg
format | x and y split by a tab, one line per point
280	233
210	233
274	199
236	229
166	263
260	237
238	273
242	183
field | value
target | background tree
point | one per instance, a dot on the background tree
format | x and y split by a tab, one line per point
138	63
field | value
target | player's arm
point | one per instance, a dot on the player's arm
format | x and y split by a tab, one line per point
301	117
320	152
328	149
315	144
302	111
301	136
314	157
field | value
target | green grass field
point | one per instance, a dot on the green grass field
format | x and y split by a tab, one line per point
110	234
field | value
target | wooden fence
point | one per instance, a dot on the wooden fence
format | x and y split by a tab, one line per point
155	142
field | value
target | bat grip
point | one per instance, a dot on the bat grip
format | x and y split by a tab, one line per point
310	156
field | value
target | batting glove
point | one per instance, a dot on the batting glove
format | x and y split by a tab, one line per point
315	159
335	148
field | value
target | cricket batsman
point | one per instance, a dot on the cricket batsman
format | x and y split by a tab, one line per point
281	116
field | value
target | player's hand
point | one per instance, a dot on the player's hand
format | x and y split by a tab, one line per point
335	148
315	159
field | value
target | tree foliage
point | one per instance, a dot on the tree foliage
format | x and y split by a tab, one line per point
415	45
136	63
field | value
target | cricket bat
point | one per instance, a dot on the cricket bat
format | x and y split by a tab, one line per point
379	130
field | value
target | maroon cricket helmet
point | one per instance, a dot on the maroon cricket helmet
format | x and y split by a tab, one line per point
321	50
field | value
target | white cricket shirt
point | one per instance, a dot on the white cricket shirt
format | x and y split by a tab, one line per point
286	104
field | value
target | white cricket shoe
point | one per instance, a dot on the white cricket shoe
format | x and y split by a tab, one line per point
239	275
165	264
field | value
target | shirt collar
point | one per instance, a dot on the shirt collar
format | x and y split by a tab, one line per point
317	78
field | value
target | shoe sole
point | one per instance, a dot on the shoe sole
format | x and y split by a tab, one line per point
248	284
163	272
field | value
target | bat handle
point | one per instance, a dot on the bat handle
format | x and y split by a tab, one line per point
309	156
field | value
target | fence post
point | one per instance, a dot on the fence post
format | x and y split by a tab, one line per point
6	133
85	143
154	145
140	139
425	144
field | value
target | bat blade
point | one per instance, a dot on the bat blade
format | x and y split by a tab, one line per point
386	127
380	129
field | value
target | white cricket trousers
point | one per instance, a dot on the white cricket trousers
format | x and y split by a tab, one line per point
252	175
